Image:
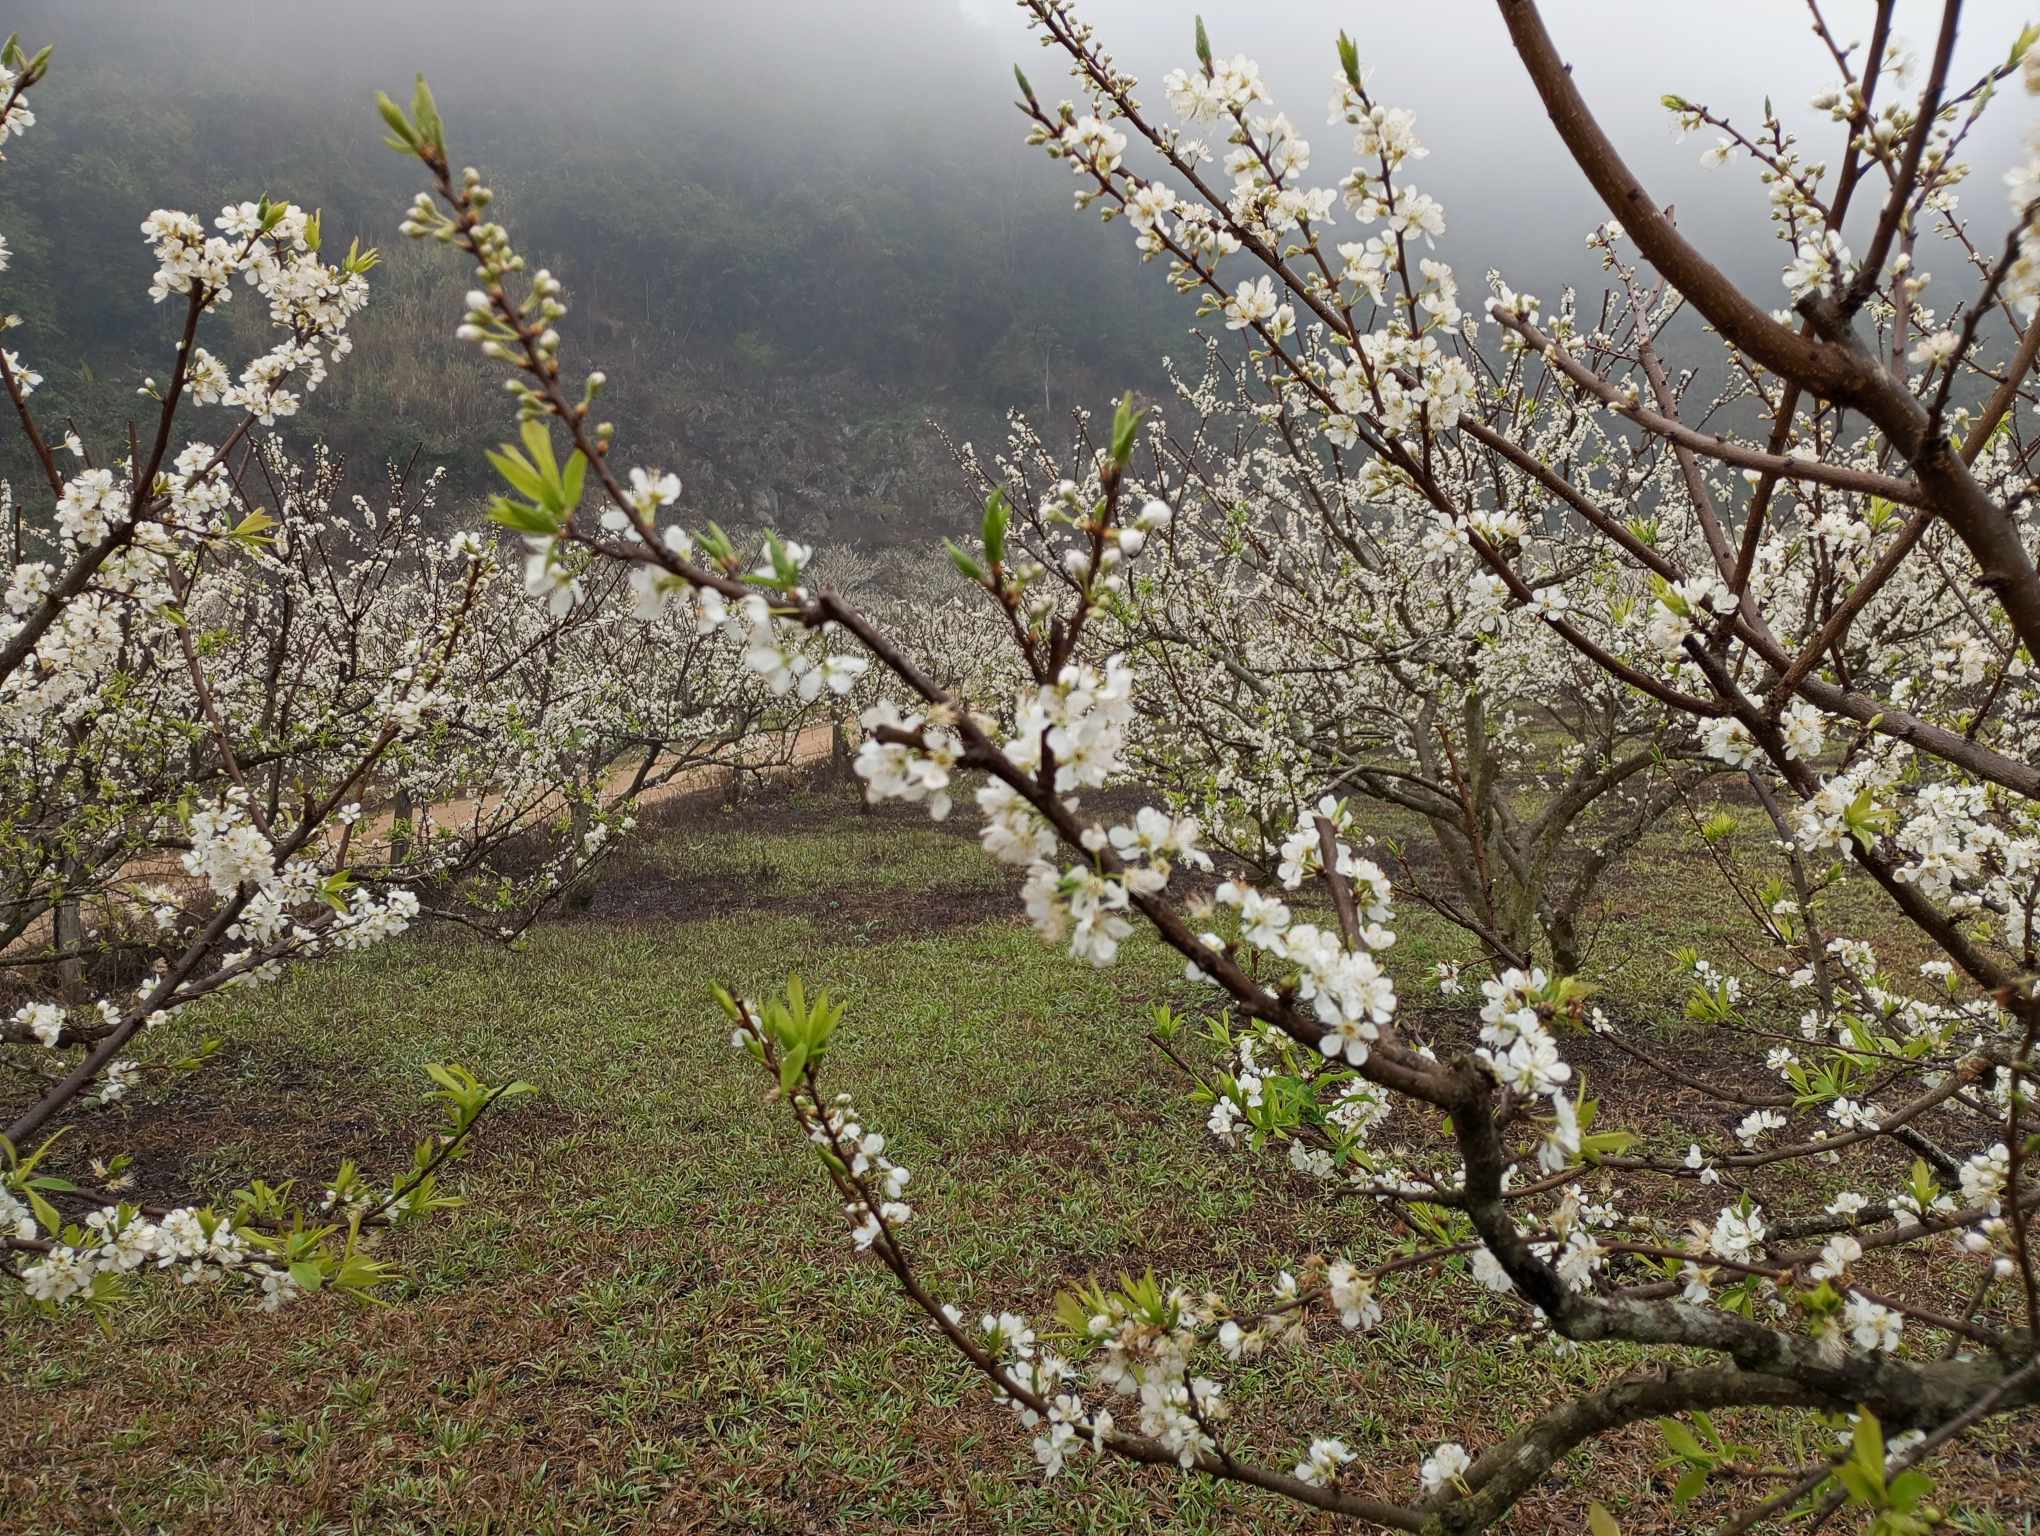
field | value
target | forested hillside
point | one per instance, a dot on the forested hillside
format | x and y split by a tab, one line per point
781	306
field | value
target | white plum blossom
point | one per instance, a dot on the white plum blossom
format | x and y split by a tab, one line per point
1321	1463
1252	304
1817	265
1445	1466
1873	1326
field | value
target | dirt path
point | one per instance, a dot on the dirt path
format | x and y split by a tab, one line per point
371	834
765	755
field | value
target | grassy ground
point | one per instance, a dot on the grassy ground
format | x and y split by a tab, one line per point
648	1319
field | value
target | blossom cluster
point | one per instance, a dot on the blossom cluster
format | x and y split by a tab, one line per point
193	1242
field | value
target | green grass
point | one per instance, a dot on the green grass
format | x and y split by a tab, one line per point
649	1317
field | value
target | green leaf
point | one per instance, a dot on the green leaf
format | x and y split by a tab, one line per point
525	519
1866	820
1349	61
403	136
1605	1144
791	1065
23	1166
1869	1447
1203	45
965	563
1125	427
1600	1522
334	888
359	261
358	1274
425	113
251	528
1688	1486
517	469
716	544
537	437
571	480
1908	1488
1861	1490
1681	1440
46	1215
998	517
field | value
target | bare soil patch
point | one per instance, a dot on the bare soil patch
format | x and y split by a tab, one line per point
294	1119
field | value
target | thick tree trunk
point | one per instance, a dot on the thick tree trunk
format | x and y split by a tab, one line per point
68	933
402	809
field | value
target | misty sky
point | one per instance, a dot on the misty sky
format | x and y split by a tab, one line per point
888	86
1512	196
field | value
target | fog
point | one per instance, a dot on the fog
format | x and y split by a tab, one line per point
908	88
814	223
1513	198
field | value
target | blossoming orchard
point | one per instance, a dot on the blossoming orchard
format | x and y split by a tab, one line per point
1415	608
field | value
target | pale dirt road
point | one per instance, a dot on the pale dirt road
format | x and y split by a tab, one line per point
810	745
370	834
